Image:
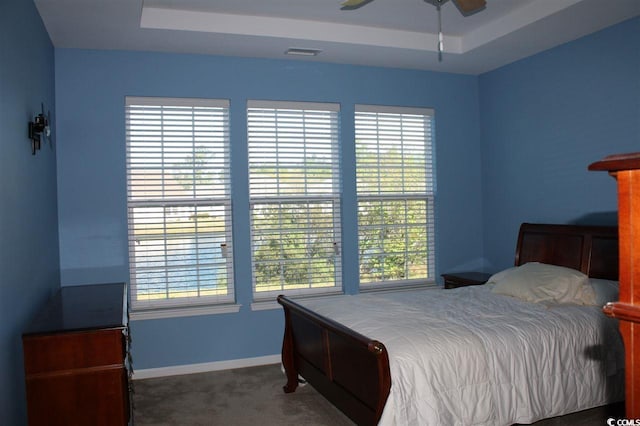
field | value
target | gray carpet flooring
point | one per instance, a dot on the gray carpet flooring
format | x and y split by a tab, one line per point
254	396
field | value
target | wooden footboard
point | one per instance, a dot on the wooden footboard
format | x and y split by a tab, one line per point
347	368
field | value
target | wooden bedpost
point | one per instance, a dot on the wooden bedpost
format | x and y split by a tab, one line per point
626	169
288	361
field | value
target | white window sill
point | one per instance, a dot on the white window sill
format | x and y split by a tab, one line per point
186	311
267	304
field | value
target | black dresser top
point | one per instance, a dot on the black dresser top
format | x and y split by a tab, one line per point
84	307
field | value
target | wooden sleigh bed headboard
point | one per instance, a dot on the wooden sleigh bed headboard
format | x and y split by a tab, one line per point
590	249
352	371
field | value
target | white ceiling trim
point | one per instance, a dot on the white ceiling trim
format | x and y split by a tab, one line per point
261	26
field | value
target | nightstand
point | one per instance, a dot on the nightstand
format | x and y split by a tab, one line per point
461	279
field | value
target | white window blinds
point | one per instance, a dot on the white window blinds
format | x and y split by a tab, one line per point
178	200
294	187
394	168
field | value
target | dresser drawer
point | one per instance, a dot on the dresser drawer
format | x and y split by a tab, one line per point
91	396
68	351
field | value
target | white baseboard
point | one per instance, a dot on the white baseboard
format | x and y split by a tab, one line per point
176	370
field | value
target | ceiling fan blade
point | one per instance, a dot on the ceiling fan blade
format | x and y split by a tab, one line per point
468	7
353	4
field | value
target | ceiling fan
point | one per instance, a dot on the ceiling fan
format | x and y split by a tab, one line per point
466	7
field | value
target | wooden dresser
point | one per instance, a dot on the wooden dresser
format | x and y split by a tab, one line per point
75	358
626	169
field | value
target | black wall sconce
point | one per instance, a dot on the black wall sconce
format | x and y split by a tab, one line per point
37	128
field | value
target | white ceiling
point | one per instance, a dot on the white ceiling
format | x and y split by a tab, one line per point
390	33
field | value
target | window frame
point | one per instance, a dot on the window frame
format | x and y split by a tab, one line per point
428	195
189	305
334	197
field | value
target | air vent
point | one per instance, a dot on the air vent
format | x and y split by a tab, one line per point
297	51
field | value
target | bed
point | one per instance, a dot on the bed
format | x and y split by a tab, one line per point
481	357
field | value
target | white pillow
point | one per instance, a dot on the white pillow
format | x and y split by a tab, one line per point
605	290
540	282
499	276
586	295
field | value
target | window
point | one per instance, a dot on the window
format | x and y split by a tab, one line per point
294	190
394	171
178	201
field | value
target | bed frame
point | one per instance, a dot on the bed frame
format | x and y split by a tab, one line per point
352	371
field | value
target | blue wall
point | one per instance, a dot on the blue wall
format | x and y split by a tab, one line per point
91	87
512	145
544	120
29	264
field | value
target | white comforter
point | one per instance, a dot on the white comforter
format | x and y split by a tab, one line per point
470	357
